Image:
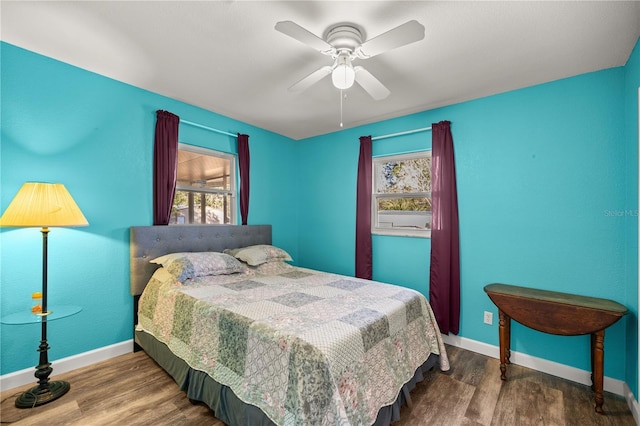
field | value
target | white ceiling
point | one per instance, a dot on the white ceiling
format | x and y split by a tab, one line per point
228	58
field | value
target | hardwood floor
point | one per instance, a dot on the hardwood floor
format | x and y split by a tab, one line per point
133	390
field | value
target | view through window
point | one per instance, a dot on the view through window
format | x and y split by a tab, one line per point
206	187
401	202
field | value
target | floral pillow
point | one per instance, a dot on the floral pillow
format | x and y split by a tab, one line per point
190	265
259	254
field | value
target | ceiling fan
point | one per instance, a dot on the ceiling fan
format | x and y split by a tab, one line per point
344	43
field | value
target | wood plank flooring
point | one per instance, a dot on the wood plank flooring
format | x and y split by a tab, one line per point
132	390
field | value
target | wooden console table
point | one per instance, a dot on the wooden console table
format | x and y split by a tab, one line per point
556	313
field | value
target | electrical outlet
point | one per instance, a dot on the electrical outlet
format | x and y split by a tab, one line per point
488	317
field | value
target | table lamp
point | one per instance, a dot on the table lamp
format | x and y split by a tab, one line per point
43	205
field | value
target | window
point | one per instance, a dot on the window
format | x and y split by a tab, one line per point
401	201
205	188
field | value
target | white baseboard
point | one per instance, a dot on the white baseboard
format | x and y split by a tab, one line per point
615	386
26	376
632	403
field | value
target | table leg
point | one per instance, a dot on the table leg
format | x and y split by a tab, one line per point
597	372
505	342
593	346
508	339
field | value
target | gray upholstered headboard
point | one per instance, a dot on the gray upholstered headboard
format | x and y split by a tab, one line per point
149	242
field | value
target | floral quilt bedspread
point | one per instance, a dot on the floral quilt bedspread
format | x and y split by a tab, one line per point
306	347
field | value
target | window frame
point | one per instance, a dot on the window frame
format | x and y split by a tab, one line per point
375	196
233	173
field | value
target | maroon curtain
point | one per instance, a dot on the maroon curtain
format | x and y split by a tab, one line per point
444	289
243	163
165	165
364	264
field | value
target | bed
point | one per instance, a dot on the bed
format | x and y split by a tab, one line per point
273	343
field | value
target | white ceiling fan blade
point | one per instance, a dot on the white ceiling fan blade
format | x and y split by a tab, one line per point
302	35
311	79
407	33
371	84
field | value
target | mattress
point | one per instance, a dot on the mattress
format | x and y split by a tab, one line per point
303	346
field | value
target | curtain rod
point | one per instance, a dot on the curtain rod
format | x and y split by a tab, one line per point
211	129
408	132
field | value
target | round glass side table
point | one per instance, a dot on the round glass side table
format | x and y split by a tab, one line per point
55	312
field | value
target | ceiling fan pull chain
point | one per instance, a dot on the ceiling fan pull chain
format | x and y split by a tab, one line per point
341	125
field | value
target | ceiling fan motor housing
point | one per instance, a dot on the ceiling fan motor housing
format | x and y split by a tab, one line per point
344	37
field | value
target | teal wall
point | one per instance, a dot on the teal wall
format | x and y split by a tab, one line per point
546	175
95	135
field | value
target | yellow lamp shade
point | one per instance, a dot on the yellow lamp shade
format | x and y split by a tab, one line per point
40	204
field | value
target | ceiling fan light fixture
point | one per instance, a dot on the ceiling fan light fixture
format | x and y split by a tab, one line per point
343	75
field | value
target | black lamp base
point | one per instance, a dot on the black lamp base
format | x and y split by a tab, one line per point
38	396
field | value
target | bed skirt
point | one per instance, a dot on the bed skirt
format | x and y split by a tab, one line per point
227	407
